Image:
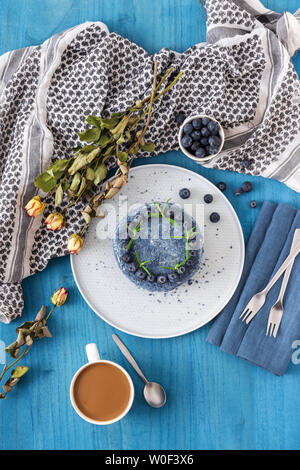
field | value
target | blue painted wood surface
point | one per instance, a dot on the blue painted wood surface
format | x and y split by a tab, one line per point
215	401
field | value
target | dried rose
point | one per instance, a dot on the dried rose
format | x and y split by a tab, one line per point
75	243
59	297
54	221
35	206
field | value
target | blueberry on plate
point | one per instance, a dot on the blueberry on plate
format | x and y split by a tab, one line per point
205	121
186	141
238	191
151	278
181	270
188	128
196	135
126	258
132	268
221	186
141	274
253	204
196	123
214	141
161	279
205	132
195	146
184	193
204	141
247	186
214	217
180	118
172	277
200	152
213	127
208	198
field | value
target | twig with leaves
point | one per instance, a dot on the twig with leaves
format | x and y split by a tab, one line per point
118	136
27	333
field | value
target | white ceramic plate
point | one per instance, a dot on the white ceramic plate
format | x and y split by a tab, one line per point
163	315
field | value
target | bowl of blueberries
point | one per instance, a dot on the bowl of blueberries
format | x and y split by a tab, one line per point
200	137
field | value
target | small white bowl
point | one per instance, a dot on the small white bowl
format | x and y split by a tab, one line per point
189	154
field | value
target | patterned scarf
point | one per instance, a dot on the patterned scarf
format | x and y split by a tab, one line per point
242	75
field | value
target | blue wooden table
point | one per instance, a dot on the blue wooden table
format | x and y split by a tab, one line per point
215	401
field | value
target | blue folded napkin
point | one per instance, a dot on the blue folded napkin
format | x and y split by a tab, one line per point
268	246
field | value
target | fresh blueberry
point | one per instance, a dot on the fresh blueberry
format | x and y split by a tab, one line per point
126	258
186	141
205	121
193	253
189	262
200	152
195	146
171	215
204	141
141	274
238	191
247	186
151	278
196	135
184	193
208	198
181	270
212	150
180	118
172	277
221	186
253	204
214	141
161	279
214	217
132	268
205	132
196	123
188	128
213	127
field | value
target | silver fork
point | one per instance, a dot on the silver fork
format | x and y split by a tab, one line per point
276	311
258	300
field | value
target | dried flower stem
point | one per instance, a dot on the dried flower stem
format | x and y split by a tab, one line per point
15	362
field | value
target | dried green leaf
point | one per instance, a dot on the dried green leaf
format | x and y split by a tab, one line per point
83	159
94	121
75	182
41	314
90	135
87	148
82	187
100	174
58	168
59	194
122	156
148	147
110	123
45	182
104	140
90	174
19	371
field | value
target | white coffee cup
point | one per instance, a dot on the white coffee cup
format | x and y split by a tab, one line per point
93	357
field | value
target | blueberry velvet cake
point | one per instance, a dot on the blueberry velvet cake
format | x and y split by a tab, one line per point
158	247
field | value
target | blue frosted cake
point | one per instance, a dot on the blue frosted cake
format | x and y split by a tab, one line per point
159	247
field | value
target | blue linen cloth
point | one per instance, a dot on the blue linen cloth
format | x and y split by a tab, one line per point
269	244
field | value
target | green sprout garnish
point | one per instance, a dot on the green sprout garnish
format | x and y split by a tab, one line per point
161	212
142	263
134	232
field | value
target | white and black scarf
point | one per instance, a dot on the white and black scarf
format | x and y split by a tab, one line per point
242	75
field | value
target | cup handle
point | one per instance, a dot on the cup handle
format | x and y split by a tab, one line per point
92	352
